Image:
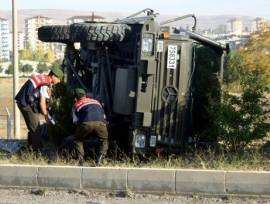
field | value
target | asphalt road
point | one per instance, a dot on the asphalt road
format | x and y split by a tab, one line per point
35	196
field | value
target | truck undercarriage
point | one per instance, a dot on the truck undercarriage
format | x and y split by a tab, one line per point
152	83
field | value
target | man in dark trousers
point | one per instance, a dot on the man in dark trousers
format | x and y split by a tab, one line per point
89	115
31	100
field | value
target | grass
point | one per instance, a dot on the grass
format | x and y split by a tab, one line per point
129	193
254	158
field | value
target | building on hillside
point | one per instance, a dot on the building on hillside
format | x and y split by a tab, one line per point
80	19
235	41
4	43
31	37
258	23
59	51
31	32
21	41
234	26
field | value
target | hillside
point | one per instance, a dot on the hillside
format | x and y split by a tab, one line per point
61	16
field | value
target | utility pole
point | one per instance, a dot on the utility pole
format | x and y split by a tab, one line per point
16	115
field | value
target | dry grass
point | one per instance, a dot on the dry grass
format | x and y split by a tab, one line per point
252	158
7	102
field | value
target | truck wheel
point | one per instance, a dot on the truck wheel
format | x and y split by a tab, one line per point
100	32
54	33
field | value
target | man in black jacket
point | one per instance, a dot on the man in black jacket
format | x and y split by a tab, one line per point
31	100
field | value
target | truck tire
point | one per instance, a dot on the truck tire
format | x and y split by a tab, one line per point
100	32
54	33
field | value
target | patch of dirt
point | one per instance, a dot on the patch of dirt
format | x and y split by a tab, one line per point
7	104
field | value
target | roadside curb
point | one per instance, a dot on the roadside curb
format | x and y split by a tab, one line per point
173	181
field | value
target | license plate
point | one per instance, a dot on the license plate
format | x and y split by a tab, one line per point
172	57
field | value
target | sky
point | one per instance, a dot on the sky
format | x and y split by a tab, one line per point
255	8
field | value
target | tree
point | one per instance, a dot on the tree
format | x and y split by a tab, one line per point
54	64
42	67
232	68
27	68
50	56
240	120
220	29
1	68
10	69
28	53
61	101
39	54
256	57
4	60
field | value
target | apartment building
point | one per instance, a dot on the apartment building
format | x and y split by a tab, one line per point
4	43
234	26
80	19
259	23
21	41
31	32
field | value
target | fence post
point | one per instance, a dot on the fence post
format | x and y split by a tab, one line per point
8	125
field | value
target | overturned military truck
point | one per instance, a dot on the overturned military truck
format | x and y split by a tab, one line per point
153	81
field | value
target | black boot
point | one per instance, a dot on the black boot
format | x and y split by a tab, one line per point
81	161
99	160
29	139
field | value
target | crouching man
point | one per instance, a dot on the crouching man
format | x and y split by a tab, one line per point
89	115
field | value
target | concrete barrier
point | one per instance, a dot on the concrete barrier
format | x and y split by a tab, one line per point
173	181
200	181
24	176
154	180
248	182
104	178
59	177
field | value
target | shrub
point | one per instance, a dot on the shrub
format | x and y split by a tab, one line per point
240	120
61	102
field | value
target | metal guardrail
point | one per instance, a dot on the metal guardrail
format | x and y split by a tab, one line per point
8	123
